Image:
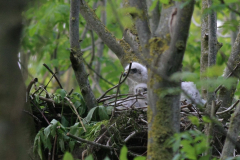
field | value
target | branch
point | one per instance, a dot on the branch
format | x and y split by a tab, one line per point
76	56
89	142
233	132
154	16
141	23
130	65
76	112
53	75
95	24
232	70
222	1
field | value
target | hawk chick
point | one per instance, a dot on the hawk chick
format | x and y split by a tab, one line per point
138	74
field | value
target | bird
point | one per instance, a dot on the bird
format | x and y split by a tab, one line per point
138	74
190	89
141	90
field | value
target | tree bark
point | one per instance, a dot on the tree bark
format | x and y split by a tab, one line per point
154	16
119	47
12	90
232	134
204	46
212	54
163	112
76	57
226	95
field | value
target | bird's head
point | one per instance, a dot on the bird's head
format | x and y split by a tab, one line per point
138	73
140	88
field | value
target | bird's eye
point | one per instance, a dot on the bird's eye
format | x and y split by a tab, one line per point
145	89
134	70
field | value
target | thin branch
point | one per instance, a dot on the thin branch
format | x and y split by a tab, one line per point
116	96
40	111
130	136
95	24
35	117
93	49
130	65
222	1
53	75
76	112
89	67
34	80
54	147
89	142
229	109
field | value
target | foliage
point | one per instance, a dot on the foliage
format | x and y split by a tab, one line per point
191	145
45	40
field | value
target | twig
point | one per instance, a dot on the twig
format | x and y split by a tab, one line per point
40	112
54	147
222	1
116	95
130	65
76	112
144	121
229	109
130	136
35	117
89	142
34	80
53	75
70	92
230	74
89	67
93	49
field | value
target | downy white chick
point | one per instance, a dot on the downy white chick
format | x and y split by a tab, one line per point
191	90
138	74
141	90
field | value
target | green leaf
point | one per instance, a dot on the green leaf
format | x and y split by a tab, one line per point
47	130
90	157
154	3
61	144
123	153
206	119
164	1
62	93
109	110
90	115
54	127
140	158
214	71
102	113
64	121
39	148
194	120
71	145
68	156
107	158
77	104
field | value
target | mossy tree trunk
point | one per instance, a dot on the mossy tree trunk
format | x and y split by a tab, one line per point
162	52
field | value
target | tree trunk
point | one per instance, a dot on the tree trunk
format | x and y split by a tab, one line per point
163	111
76	57
12	89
